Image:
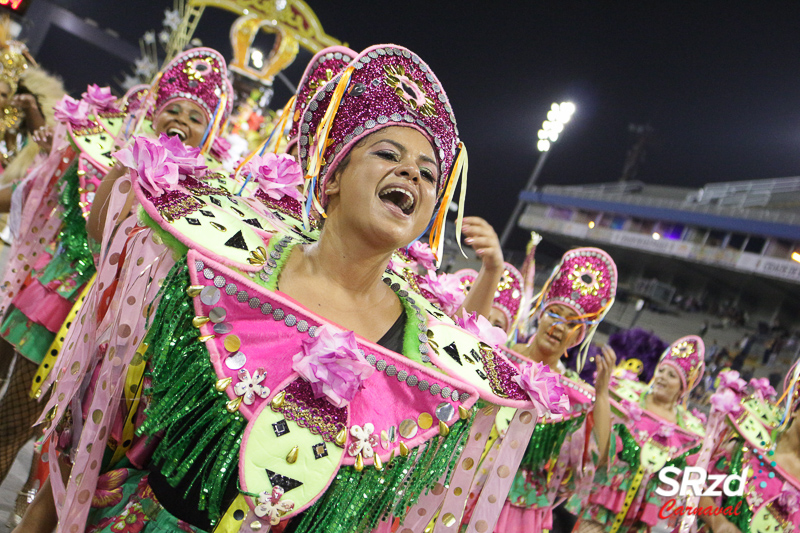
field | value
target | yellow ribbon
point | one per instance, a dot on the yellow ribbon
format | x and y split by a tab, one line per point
458	173
228	523
629	497
321	137
133	394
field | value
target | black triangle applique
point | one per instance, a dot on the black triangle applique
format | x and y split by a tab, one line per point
253	222
207	213
286	483
237	241
192	221
452	351
107	154
215	201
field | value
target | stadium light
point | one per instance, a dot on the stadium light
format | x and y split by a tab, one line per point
549	133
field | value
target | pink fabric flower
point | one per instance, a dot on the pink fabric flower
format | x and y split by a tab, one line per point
730	379
665	430
543	386
333	366
100	98
701	416
422	254
726	401
188	158
277	175
762	388
789	498
447	290
220	148
76	112
149	165
634	411
482	328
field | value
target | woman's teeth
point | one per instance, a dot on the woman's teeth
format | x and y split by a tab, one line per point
175	131
400	197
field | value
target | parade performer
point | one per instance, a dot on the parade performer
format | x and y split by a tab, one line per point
653	429
82	157
563	452
506	298
295	375
760	440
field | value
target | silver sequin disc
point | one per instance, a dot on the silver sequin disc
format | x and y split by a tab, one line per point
236	361
210	295
408	428
445	411
217	315
223	328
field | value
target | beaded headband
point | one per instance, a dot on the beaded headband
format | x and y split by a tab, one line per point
686	355
585	281
386	85
326	64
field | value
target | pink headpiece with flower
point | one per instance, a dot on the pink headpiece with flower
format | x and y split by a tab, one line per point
585	281
388	86
686	355
198	75
508	296
326	64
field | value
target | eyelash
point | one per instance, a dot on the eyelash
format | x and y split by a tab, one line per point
392	156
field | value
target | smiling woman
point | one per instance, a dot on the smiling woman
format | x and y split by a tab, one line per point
293	376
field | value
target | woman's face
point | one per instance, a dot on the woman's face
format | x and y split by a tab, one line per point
387	191
555	332
5	94
498	319
666	384
184	119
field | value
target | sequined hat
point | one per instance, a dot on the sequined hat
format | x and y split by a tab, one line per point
134	97
466	277
198	75
386	85
508	296
585	281
326	64
686	355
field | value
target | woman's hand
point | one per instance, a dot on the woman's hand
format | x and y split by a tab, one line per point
44	138
480	235
24	102
606	361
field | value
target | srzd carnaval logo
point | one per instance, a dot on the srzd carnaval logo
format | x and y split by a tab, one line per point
697	478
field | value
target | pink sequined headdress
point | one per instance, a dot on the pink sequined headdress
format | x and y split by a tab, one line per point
326	64
686	355
385	85
585	281
198	75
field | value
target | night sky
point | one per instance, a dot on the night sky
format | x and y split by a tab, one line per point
718	81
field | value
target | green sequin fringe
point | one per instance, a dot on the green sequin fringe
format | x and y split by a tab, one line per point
184	404
631	452
546	442
73	236
357	501
743	519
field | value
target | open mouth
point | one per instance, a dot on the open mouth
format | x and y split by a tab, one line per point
399	197
180	134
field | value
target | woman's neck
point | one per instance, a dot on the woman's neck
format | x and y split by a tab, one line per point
345	262
550	360
661	408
